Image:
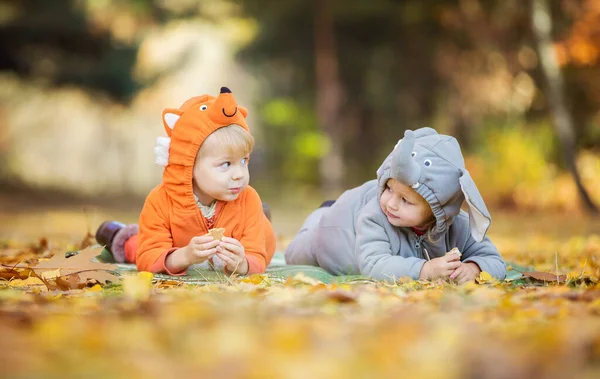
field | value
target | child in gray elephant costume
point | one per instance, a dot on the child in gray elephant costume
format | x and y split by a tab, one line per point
404	223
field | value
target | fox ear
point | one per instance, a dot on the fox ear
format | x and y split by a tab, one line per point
170	117
243	111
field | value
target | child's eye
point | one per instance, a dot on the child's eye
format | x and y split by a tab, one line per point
389	189
203	107
244	161
225	165
405	201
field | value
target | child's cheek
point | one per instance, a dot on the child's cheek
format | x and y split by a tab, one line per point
383	201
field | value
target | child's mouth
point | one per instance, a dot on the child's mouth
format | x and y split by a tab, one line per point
390	215
235	190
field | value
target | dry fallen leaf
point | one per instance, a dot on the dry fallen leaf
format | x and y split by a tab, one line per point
80	264
342	296
31	283
545	276
69	282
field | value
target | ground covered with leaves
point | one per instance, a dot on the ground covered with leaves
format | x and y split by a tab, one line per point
55	325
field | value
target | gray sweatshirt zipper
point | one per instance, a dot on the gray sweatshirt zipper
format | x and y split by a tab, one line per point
418	245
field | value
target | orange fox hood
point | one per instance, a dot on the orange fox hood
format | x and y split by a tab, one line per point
187	128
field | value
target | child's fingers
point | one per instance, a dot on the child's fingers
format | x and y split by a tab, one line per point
465	278
461	273
456	273
453	265
238	250
205	253
203	239
206	245
228	260
452	257
228	254
233	241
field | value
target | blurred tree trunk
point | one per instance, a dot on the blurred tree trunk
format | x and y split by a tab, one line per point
329	93
561	118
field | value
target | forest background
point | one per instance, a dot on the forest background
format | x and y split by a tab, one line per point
331	86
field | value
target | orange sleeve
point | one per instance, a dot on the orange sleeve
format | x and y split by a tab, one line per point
161	264
155	232
254	236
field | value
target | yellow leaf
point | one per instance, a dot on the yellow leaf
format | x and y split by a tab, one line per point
137	287
303	278
470	285
95	288
148	276
50	274
256	279
484	277
29	283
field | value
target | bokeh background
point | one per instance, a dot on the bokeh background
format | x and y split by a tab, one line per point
331	85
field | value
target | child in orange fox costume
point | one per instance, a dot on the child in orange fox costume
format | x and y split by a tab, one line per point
204	186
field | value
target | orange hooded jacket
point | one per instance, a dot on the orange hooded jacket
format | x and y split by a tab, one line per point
171	218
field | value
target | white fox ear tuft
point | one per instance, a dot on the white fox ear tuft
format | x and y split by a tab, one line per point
171	119
161	151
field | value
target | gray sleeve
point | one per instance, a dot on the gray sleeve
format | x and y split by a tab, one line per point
374	253
486	256
483	253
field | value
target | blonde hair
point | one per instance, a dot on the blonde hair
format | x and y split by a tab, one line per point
231	138
431	221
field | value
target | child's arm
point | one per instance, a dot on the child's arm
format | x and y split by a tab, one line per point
374	252
483	253
254	235
199	250
155	234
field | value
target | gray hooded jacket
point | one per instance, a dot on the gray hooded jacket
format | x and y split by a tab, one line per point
354	236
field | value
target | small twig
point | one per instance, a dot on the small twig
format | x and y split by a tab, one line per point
556	261
583	269
392	277
426	254
232	272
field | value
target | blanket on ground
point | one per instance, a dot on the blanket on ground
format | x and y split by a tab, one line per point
278	271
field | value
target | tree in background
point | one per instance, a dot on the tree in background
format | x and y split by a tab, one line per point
341	81
562	121
465	67
57	43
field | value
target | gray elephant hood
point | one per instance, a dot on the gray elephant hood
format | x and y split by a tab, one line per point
433	165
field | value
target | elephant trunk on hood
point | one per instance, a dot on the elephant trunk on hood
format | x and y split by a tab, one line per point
404	168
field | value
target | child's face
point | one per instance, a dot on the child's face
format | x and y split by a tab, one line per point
219	173
403	206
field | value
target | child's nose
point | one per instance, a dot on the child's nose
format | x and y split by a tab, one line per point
237	172
393	203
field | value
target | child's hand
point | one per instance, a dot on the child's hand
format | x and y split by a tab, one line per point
201	249
232	253
197	251
440	267
465	272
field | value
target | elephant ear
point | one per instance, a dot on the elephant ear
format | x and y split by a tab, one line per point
479	217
